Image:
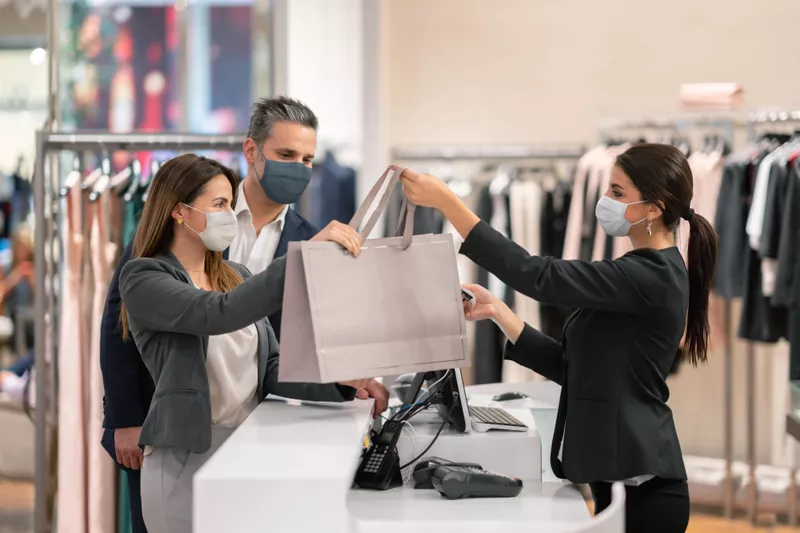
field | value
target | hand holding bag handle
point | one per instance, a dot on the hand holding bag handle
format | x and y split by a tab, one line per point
408	208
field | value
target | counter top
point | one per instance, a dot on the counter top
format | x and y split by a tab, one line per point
290	466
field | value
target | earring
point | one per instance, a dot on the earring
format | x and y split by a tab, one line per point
180	221
650	227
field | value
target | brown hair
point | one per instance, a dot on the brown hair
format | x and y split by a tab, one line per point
180	180
663	177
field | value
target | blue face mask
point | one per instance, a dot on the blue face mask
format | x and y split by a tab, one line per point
283	183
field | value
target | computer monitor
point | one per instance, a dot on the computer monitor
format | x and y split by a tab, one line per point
453	398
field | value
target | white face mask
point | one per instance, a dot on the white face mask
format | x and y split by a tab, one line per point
610	215
220	229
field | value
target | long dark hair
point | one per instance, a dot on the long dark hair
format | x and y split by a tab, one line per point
663	177
180	180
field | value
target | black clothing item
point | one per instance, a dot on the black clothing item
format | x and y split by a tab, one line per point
794	343
658	506
589	225
613	362
786	289
555	212
730	222
489	339
760	321
774	208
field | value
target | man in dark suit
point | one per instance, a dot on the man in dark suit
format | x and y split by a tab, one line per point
279	150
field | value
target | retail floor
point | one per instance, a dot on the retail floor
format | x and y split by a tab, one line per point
16	503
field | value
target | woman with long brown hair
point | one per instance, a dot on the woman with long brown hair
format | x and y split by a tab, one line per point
200	325
613	421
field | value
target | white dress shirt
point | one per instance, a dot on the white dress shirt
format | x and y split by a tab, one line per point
255	250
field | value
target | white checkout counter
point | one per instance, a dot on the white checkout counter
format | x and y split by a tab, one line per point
289	469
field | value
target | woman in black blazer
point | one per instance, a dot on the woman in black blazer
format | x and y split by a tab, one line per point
613	421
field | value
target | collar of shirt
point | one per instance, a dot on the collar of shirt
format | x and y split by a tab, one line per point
243	212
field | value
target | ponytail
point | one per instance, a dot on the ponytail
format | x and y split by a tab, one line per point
702	263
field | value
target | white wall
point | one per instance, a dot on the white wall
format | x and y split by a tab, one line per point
324	69
530	71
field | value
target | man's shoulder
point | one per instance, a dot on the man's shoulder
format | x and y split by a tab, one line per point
304	228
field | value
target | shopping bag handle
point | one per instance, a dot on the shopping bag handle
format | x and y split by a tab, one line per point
408	208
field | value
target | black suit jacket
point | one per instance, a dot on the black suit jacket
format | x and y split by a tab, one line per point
615	357
127	382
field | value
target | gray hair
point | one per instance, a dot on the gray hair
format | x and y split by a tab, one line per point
269	111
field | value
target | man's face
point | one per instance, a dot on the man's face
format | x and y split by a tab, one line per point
288	142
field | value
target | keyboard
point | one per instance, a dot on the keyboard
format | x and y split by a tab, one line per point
486	418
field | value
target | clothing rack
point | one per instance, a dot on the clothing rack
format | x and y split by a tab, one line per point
728	125
409	153
754	121
46	197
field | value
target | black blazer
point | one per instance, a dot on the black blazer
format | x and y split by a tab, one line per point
615	357
128	386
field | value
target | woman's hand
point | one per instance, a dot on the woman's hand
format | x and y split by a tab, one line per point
430	191
371	388
425	190
341	234
488	306
484	306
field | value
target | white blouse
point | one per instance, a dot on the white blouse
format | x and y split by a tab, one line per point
232	367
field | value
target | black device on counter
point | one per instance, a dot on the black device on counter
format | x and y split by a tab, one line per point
423	470
456	482
380	463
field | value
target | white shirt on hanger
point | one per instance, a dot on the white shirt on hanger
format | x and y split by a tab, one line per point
253	249
758	206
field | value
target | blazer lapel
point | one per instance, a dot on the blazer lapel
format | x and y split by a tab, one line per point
291	232
566	325
170	258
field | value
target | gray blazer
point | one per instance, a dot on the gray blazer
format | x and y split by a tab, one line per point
170	321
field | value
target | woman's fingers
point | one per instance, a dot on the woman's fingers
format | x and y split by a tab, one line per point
409	175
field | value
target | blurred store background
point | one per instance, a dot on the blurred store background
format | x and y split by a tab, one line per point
462	88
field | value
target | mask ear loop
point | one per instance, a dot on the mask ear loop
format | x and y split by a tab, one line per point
180	220
259	178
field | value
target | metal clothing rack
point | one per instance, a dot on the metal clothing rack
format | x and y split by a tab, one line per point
410	153
45	189
728	124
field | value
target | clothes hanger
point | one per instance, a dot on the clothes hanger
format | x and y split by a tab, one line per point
90	179
121	180
136	181
102	183
154	166
73	178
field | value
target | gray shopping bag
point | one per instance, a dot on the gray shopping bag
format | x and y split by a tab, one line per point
394	309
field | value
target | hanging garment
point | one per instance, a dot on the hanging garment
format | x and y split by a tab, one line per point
619	246
71	499
555	211
760	320
102	470
332	193
730	220
572	239
525	199
489	339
